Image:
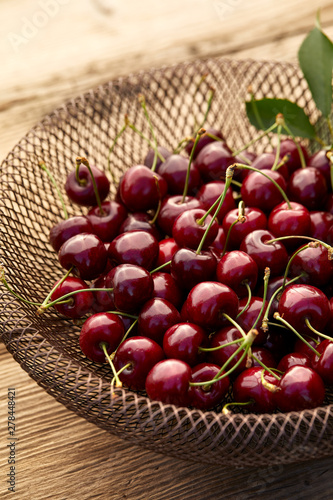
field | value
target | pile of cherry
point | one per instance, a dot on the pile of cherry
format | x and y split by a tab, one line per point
204	278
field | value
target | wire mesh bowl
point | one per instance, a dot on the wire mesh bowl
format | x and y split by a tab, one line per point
47	346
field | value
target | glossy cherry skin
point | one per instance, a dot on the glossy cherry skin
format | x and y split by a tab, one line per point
174	171
132	286
209	193
156	316
321	162
272	286
265	161
302	348
134	247
206	397
142	354
315	264
84	194
189	268
213	161
235	268
98	328
283	221
247	319
86	253
323	365
107	225
140	220
220	356
149	159
167	248
299	302
103	300
218	245
273	255
293	359
80	303
141	189
278	342
171	207
187	232
262	354
320	225
248	386
203	141
259	191
182	341
254	219
288	147
67	228
207	302
308	187
300	388
165	287
169	382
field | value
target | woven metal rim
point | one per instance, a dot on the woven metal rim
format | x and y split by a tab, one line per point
29	207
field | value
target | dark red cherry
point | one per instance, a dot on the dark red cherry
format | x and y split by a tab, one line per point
234	269
278	342
314	262
67	228
167	248
272	286
320	225
265	161
260	192
140	221
288	147
300	302
85	253
213	161
207	396
302	348
83	193
141	189
165	287
182	341
247	319
103	300
141	354
321	162
220	356
107	224
284	221
300	388
308	187
100	328
217	247
263	355
293	359
323	364
174	171
149	159
188	231
203	141
173	206
169	381
248	387
134	247
273	255
254	219
79	304
132	286
189	268
207	302
156	316
209	193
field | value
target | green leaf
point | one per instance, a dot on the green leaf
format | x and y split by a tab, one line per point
262	114
316	61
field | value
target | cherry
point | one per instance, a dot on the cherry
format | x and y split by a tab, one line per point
149	159
141	189
165	287
293	359
264	356
139	355
100	328
82	192
285	221
106	225
213	161
167	248
323	365
265	161
173	206
218	245
207	396
169	381
132	286
79	304
103	300
300	388
273	255
220	356
156	316
174	171
278	342
320	225
259	191
308	187
248	387
85	253
235	269
247	319
302	348
210	192
321	162
207	303
134	247
288	147
254	219
313	262
189	268
182	341
140	220
188	229
67	228
203	141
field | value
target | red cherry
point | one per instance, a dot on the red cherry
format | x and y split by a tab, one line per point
288	147
308	187
188	232
293	359
259	191
248	386
220	356
314	262
320	225
167	249
247	319
209	193
182	341
156	316
169	381
323	365
213	161
80	303
189	268
174	171
149	159
284	221
264	355
103	300
83	193
206	397
173	206
321	162
141	189
203	141
67	228
140	220
254	219
107	224
234	269
165	287
134	247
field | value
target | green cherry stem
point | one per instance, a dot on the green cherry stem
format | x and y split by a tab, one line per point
265	367
16	295
299	149
278	148
266	279
290	327
69	295
142	101
122	130
256	139
241	218
226	411
79	160
162	266
235	324
249	297
222	346
199	134
104	345
308	324
52	179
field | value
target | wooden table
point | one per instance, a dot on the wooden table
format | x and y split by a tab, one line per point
50	51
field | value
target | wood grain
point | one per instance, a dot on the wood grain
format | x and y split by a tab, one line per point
82	44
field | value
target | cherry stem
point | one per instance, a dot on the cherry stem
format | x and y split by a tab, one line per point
249	297
235	324
84	161
288	325
157	184
256	139
268	385
199	134
122	130
142	101
52	179
122	369
219	203
222	346
45	305
278	148
226	411
16	295
145	138
104	345
126	335
209	105
269	370
120	313
308	324
68	295
162	266
299	149
266	279
241	218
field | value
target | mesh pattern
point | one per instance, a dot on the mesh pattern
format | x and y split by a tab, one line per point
47	346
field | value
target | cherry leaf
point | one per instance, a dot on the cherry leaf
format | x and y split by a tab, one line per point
315	58
262	114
